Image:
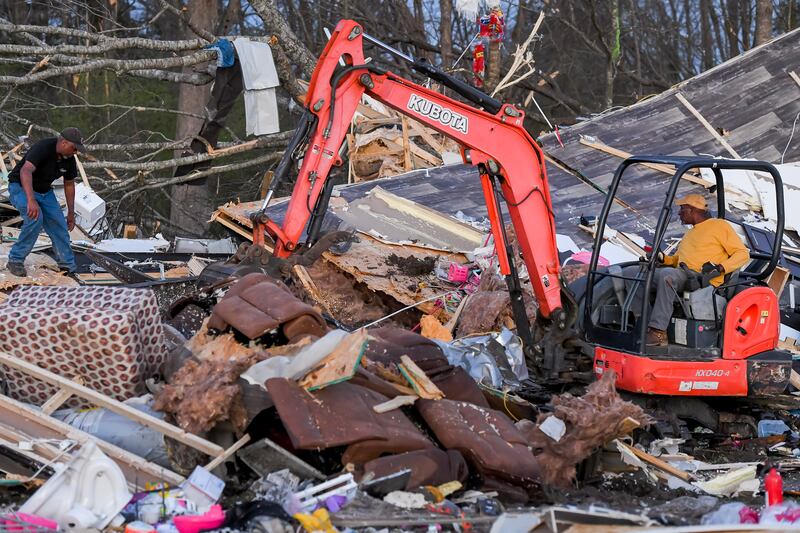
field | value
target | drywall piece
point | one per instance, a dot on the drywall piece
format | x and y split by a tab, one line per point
88	493
9	234
153	245
391	218
295	366
185	245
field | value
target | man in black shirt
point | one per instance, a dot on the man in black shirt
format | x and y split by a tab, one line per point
30	192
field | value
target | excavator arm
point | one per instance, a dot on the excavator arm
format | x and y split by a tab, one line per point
509	162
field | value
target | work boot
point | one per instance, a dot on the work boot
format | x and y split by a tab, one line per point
18	269
656	337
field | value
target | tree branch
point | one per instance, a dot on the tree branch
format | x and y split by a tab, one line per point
112	64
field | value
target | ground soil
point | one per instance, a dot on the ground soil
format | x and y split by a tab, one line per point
412	266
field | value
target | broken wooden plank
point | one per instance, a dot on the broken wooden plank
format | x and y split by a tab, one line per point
777	280
658	463
56	401
707	125
394	403
451	324
311	288
422	131
82	171
224	456
118	407
406	148
415	150
734	193
339	365
794	379
421	384
795	77
38	425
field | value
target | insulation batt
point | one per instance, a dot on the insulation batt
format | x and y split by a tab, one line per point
591	420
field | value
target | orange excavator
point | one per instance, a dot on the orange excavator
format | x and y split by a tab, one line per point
579	331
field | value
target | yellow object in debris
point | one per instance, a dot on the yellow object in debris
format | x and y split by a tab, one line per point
319	520
449	488
433	329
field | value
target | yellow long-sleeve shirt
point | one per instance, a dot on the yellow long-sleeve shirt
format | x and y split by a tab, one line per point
712	240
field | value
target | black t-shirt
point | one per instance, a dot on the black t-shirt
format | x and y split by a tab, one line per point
49	165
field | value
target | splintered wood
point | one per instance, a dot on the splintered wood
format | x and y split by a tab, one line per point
339	365
421	384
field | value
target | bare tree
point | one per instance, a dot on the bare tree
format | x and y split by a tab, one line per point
763	21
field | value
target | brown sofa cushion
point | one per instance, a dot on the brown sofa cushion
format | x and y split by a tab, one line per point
428	467
488	439
342	415
256	304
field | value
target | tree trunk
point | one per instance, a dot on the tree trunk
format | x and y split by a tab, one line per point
492	67
446	32
705	34
613	57
191	202
732	27
763	21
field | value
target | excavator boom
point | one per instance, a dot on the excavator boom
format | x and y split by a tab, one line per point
509	162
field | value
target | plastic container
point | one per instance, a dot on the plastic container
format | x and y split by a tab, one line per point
773	488
767	428
196	523
458	273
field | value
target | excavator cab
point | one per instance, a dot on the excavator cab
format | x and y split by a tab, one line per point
722	340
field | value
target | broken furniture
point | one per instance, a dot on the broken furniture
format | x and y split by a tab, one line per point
343	415
478	433
256	305
110	337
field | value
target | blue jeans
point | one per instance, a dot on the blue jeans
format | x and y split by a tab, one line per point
51	219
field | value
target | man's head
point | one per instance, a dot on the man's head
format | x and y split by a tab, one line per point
694	209
70	142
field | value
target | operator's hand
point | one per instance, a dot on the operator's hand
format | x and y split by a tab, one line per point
709	267
70	221
33	209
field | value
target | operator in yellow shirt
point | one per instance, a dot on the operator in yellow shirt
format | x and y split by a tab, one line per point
710	244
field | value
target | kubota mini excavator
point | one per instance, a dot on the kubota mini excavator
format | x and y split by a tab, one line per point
579	331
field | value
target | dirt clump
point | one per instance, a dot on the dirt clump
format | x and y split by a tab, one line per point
412	265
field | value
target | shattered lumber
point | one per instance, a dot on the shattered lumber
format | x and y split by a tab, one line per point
658	463
40	426
100	400
421	384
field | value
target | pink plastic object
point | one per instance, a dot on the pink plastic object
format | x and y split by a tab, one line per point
458	273
24	521
194	523
586	258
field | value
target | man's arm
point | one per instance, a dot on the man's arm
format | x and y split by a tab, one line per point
26	180
69	194
738	254
670	260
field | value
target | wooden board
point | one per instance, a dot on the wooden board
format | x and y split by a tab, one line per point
38	425
340	365
120	408
658	463
421	384
395	403
366	262
777	280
